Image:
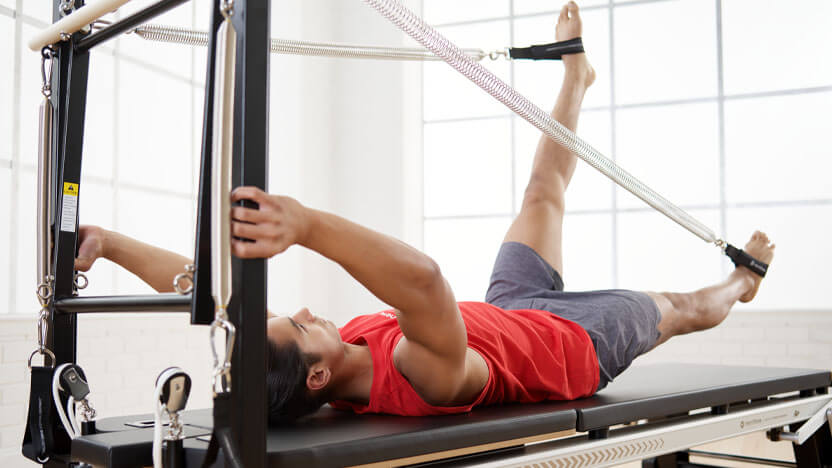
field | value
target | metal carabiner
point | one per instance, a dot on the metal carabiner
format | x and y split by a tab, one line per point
223	370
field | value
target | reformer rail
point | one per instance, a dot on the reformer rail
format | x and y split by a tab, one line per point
166	302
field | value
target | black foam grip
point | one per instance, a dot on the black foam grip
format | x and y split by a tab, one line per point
740	258
553	51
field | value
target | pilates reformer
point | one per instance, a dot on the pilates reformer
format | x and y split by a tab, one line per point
652	413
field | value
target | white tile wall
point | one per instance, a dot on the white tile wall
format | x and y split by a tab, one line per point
7	27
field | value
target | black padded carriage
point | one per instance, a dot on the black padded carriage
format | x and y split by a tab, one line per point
336	438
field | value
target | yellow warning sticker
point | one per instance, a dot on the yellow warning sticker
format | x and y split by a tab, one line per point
70	189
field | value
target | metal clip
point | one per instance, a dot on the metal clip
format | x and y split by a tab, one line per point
221	377
46	56
77	281
66	7
227	8
496	54
188	277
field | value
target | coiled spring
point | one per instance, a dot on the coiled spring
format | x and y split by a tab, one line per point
431	39
177	35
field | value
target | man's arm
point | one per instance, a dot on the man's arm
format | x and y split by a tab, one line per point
396	273
155	266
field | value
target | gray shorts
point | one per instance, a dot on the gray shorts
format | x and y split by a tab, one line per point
621	324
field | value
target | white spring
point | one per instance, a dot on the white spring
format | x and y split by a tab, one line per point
431	39
178	35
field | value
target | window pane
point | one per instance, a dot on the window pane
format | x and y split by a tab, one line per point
522	7
665	50
154	144
587	252
41	10
442	11
99	128
5	246
26	245
30	100
6	81
802	235
540	80
468	167
449	94
655	254
777	148
672	149
589	189
776	44
465	250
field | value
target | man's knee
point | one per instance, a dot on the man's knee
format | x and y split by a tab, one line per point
545	193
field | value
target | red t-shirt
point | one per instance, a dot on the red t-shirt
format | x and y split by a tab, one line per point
532	355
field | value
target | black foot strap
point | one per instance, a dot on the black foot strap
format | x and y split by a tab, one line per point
553	51
221	437
38	443
741	258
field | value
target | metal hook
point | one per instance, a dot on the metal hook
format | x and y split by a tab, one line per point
227	8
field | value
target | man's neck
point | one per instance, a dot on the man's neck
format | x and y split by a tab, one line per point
355	375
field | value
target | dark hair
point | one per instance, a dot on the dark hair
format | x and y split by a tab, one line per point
289	399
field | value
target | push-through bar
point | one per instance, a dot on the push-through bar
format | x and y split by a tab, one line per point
166	302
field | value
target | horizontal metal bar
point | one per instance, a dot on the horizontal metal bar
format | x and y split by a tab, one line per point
128	23
633	443
167	302
742	458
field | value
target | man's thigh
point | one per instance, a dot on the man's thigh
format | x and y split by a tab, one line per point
520	273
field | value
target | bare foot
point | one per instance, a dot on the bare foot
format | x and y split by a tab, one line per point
759	248
569	27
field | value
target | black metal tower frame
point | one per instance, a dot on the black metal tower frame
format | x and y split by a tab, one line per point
247	310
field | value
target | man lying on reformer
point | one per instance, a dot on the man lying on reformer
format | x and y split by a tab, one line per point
529	341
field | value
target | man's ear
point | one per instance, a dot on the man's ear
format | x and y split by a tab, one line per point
318	378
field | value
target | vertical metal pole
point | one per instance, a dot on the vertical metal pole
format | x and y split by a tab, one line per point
69	95
247	310
202	304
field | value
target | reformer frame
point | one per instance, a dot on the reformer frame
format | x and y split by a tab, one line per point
71	68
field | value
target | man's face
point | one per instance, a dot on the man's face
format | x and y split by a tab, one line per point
313	335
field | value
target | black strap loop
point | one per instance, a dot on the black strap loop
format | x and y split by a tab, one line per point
740	258
221	437
553	51
38	442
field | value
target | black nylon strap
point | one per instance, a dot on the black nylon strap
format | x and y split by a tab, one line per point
740	258
221	436
38	442
553	51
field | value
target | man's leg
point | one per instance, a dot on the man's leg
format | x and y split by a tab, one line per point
539	223
706	308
